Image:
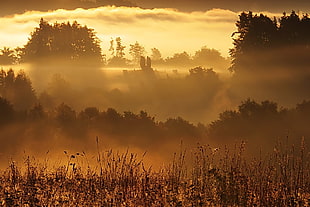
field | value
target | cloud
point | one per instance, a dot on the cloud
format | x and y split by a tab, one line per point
10	7
167	29
235	5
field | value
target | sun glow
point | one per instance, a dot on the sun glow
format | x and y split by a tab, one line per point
167	29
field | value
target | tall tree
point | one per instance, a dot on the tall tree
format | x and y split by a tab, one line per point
260	38
117	52
119	48
112	49
255	33
66	41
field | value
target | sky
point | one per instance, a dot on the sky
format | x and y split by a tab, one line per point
12	6
168	30
234	5
169	25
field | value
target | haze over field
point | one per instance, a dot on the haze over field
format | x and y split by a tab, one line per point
143	72
154	103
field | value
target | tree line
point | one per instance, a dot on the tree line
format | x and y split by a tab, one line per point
252	121
72	42
264	44
258	42
108	122
262	122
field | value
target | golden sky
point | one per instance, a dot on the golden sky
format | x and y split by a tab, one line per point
169	30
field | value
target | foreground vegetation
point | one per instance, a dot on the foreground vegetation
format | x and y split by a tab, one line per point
208	177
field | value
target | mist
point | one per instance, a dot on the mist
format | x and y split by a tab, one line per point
62	94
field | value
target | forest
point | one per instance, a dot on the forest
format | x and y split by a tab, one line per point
68	102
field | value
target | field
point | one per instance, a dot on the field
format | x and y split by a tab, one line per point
204	176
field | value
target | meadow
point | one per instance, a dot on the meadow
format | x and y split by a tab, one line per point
70	92
203	176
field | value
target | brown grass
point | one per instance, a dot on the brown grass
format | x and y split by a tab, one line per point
207	177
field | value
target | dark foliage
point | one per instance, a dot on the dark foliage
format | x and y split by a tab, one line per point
6	111
65	41
17	89
7	56
263	44
256	122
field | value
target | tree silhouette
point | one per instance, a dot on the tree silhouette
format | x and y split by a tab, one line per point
259	38
290	29
89	113
37	112
117	53
210	58
7	56
156	56
17	89
202	72
24	93
205	79
179	59
255	33
112	49
119	48
65	115
66	41
136	51
250	121
179	127
6	111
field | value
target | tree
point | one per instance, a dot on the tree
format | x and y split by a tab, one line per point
179	59
136	51
156	54
89	113
255	33
7	56
112	49
17	89
201	72
119	48
37	112
117	53
210	58
117	62
66	41
65	115
6	111
252	120
25	96
180	127
259	38
290	28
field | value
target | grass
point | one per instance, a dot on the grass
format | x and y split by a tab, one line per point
203	177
